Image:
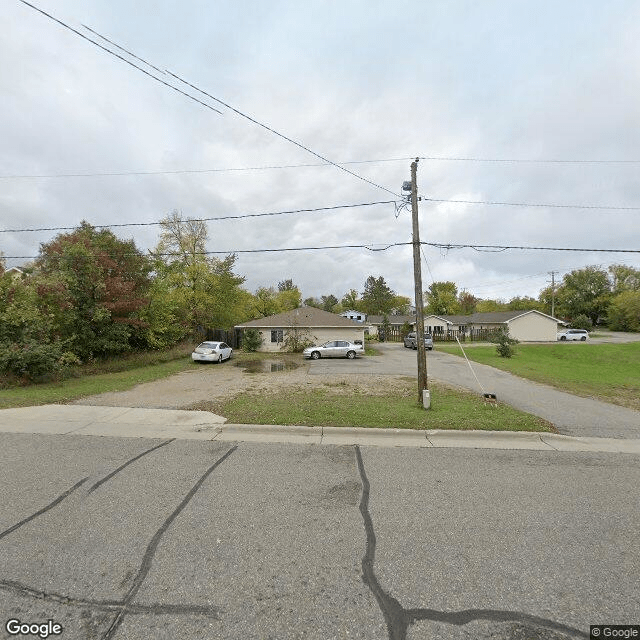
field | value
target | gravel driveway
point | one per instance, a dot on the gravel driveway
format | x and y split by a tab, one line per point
209	383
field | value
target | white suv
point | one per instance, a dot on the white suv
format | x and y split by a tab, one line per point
573	334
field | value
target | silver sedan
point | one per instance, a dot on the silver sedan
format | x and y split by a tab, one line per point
334	349
211	352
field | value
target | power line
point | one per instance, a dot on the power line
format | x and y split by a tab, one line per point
492	286
100	174
221	102
369	247
498	247
280	135
229	217
534	204
135	66
245	251
528	161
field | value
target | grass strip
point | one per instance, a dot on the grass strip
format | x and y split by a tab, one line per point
450	409
76	388
607	372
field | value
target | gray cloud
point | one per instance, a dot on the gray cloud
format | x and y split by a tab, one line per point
493	80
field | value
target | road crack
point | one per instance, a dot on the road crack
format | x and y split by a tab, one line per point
152	547
398	619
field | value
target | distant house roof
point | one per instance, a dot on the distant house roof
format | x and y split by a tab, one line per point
392	318
489	317
304	317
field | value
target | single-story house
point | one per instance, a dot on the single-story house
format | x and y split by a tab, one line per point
525	326
304	323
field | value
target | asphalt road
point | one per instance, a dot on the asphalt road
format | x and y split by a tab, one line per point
139	538
572	415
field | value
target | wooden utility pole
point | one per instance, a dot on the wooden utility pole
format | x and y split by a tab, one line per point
417	274
553	293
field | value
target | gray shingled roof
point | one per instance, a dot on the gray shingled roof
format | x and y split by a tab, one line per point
393	319
489	317
303	317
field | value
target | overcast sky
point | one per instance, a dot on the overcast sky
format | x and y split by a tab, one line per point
352	81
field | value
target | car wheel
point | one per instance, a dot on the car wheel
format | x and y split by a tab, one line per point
219	358
563	338
351	355
583	338
315	355
415	347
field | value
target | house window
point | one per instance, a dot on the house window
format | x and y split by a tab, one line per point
276	335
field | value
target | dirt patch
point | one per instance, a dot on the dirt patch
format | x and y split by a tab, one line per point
207	386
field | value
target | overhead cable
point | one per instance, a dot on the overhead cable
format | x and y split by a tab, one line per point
533	204
229	217
530	161
370	247
99	174
97	44
245	251
499	247
199	90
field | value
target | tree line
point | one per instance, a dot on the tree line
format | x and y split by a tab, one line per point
90	295
585	297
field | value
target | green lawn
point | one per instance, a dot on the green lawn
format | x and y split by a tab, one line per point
338	407
608	372
88	385
115	374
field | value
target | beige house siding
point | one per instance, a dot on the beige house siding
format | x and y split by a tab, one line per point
318	335
533	328
436	325
526	326
310	324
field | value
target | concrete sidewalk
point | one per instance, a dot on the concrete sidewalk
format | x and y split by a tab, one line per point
201	425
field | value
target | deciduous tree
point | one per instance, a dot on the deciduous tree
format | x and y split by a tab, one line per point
442	298
104	283
584	291
623	313
377	298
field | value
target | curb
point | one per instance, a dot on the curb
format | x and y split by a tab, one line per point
122	422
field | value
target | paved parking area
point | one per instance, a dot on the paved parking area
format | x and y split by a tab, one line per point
572	415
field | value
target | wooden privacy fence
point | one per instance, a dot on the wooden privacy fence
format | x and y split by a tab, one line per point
231	337
472	335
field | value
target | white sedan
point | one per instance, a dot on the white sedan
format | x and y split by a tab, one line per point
334	349
573	334
211	352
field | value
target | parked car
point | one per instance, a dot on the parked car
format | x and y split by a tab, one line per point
410	341
334	349
573	334
211	352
